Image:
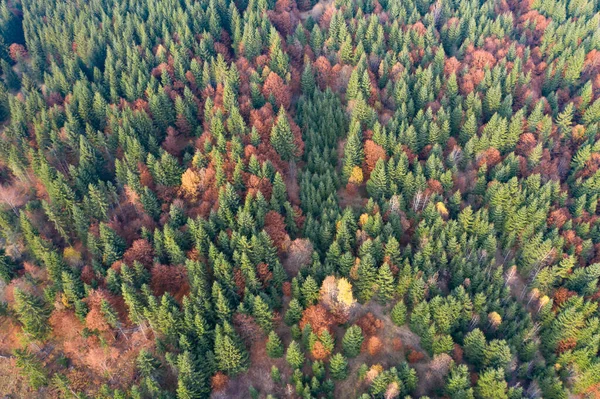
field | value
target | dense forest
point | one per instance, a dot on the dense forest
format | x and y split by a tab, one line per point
300	199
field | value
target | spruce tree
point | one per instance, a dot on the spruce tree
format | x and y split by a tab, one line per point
294	312
31	367
294	355
378	183
338	367
352	341
474	345
385	283
274	346
32	313
398	314
282	138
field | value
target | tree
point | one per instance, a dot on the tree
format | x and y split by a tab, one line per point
8	268
352	341
33	314
262	314
458	384
475	345
310	291
274	346
378	183
146	363
385	283
191	383
398	313
282	138
497	354
294	355
294	312
491	385
31	367
230	355
338	367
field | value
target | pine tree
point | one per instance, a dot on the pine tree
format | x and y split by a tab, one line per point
8	268
491	385
31	367
230	355
274	346
32	313
294	355
191	384
497	354
282	138
146	363
338	367
310	291
294	312
474	346
367	278
262	314
378	183
398	314
352	341
385	283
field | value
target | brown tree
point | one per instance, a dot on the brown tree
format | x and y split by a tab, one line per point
141	251
274	86
318	317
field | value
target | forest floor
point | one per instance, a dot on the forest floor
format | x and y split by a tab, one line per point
397	342
317	10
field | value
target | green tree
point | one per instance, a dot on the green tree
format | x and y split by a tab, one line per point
385	284
8	268
474	346
352	341
31	367
491	385
191	383
497	354
398	314
294	312
282	138
274	346
378	183
32	313
262	314
338	367
294	355
229	352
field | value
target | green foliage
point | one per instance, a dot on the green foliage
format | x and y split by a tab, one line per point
398	314
294	355
338	367
33	314
274	345
32	368
352	341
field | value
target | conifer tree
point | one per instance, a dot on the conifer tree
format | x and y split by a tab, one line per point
398	314
378	183
474	346
274	346
32	313
282	138
294	355
352	341
31	367
294	312
338	367
385	283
